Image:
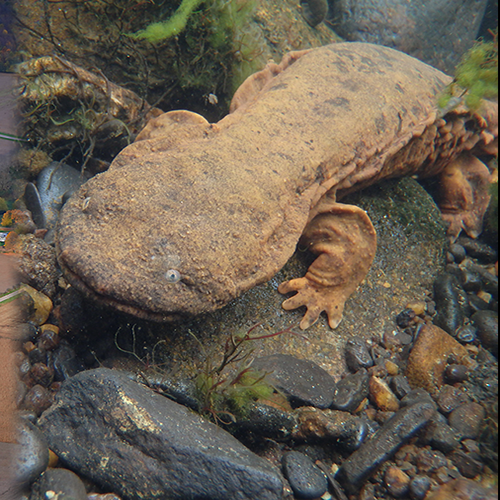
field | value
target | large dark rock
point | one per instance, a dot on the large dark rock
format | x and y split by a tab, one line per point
140	445
437	32
392	435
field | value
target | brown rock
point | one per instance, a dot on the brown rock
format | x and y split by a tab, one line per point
396	481
382	396
432	352
464	489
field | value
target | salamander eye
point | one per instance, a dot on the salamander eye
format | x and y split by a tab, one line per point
172	276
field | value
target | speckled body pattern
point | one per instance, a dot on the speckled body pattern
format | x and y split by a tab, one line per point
226	206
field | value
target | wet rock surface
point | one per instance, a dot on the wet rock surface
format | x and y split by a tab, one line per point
152	447
426	30
58	483
303	382
393	434
33	455
306	480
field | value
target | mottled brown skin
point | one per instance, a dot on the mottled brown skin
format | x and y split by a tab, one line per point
225	205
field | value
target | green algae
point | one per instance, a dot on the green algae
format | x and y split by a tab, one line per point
476	77
158	32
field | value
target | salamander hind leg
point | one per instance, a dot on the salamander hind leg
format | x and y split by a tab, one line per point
344	240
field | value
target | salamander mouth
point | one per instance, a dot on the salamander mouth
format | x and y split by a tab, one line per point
112	303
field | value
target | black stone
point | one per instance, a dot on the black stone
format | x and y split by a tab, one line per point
65	362
405	318
419	486
415	396
351	391
65	484
467	334
306	480
400	386
33	455
357	355
486	323
392	435
302	381
489	282
265	421
451	303
132	441
458	252
479	250
469	464
443	438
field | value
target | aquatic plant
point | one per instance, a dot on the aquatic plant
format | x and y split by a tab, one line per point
226	393
158	32
476	77
219	32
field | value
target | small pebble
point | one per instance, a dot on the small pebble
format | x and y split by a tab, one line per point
391	367
48	339
419	486
33	455
442	437
451	303
37	399
396	481
467	334
351	391
405	318
458	252
415	396
467	420
382	396
456	373
42	305
41	374
418	307
478	250
58	484
400	386
469	464
450	397
306	479
357	355
486	323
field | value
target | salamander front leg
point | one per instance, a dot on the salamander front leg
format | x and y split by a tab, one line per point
344	240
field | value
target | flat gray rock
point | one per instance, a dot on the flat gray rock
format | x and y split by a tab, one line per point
140	445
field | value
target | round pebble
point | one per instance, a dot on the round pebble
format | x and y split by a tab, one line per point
396	481
357	354
306	480
486	323
419	486
467	334
48	338
400	386
458	252
467	420
58	484
456	373
37	399
33	455
351	391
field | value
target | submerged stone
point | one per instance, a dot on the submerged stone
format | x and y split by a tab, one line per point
140	445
